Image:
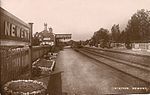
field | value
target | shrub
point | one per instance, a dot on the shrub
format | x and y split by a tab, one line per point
36	71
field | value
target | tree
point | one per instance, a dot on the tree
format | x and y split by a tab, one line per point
100	36
35	40
115	33
138	28
122	36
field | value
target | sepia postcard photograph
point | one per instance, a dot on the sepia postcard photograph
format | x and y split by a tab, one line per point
74	47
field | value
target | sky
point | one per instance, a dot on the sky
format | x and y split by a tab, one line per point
81	18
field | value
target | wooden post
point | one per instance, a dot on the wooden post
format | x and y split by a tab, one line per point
0	70
30	48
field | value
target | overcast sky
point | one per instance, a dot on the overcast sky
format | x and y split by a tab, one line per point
81	18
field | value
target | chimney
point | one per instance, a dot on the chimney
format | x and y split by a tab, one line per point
45	26
50	30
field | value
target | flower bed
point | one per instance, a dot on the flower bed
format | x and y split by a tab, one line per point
44	65
53	57
36	71
24	87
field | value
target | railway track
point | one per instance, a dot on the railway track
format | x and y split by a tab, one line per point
133	64
137	71
134	58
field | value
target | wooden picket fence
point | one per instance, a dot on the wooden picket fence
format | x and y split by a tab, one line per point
15	61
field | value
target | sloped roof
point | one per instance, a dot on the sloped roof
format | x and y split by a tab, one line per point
46	34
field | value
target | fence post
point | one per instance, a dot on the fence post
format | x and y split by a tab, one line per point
30	48
0	68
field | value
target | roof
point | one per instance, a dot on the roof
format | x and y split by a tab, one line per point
46	33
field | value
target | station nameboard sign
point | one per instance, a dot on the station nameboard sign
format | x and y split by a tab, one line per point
12	28
63	36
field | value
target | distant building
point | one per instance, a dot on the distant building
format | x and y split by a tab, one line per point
46	37
136	45
141	45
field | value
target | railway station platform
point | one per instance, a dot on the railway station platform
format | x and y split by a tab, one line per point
133	51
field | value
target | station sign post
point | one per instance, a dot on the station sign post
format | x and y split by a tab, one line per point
13	33
30	48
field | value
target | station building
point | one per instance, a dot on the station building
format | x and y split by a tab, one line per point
46	37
